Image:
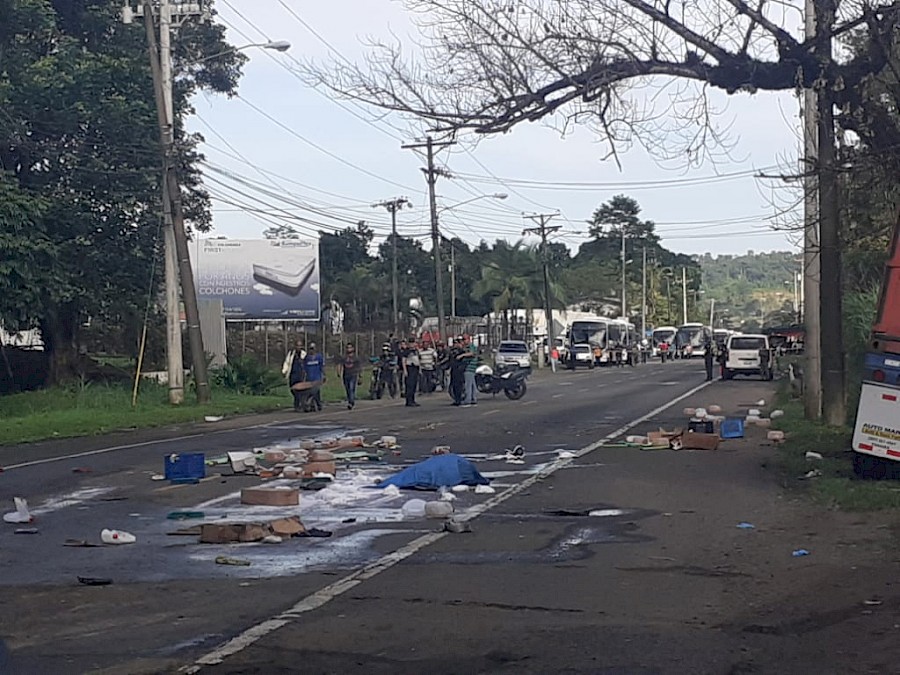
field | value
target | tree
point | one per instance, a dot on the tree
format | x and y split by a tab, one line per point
603	63
341	251
620	214
79	144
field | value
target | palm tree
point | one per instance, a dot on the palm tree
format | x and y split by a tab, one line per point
511	279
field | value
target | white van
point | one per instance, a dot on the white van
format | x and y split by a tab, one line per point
747	355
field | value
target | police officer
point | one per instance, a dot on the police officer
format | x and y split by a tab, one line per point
709	355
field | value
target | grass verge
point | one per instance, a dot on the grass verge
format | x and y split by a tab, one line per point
86	410
837	486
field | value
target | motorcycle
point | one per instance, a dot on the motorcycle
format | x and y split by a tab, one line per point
511	383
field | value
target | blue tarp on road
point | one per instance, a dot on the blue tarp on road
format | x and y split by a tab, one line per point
437	472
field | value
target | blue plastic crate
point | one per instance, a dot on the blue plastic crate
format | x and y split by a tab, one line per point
188	467
732	427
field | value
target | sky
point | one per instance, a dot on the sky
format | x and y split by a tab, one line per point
282	150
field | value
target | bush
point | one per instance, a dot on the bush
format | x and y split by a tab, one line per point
247	375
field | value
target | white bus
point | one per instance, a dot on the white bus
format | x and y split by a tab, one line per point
689	340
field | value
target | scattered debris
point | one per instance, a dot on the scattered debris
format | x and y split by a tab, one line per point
225	560
800	552
21	514
440	450
414	508
26	530
276	495
439	509
731	427
272	539
696	441
315	532
188	468
457	526
777	436
82	469
565	454
776	414
746	526
813	455
714	409
157	476
392	491
460	488
448	496
815	473
117	537
186	532
484	490
185	515
347	521
287	527
94	581
242	462
232	533
214	418
874	602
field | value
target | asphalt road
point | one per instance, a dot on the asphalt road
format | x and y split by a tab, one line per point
659	579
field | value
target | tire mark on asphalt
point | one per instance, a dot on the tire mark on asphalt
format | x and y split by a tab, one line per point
328	593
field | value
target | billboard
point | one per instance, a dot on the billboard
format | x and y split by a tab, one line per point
260	279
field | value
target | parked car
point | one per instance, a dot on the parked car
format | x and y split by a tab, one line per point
512	354
583	356
748	355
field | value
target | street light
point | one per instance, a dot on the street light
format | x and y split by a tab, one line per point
276	45
496	195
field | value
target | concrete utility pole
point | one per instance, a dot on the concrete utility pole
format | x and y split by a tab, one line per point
834	404
543	230
431	176
644	294
812	368
394	205
684	293
173	191
452	280
624	307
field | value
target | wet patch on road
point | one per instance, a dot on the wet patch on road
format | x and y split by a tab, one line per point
589	528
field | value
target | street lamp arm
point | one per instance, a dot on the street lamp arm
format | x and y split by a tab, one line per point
498	195
277	45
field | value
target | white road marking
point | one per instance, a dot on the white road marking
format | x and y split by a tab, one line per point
490	412
354	579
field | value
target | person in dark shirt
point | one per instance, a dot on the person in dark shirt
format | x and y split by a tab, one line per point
457	371
350	371
296	376
387	371
411	372
314	369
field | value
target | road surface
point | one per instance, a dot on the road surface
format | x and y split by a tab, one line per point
659	579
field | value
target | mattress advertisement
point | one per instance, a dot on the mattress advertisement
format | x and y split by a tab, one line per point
260	279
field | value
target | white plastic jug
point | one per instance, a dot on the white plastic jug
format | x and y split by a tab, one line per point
117	537
438	509
414	508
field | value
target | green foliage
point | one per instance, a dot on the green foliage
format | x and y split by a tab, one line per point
248	375
79	154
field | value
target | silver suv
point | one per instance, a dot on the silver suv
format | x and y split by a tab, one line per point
512	354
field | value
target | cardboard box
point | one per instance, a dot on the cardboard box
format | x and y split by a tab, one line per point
270	496
321	456
287	527
230	533
697	441
311	468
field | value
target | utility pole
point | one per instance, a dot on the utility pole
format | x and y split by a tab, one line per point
174	356
173	191
834	404
684	293
452	280
812	368
543	230
431	176
394	205
624	308
644	294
